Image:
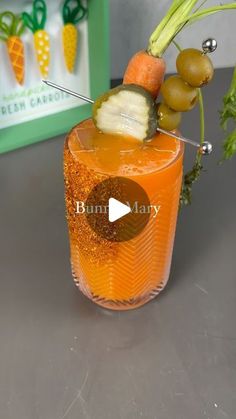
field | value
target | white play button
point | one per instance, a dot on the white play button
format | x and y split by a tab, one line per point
112	219
117	210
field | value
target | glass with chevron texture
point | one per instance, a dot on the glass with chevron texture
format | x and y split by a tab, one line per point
122	275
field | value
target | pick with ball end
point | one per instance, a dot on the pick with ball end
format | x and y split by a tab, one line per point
209	45
206	148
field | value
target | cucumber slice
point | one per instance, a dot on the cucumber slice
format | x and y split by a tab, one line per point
128	110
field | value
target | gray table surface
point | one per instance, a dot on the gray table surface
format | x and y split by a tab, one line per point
61	356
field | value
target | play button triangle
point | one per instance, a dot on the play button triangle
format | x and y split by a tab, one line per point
117	210
113	209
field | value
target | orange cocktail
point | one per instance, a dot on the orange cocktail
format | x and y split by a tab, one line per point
122	275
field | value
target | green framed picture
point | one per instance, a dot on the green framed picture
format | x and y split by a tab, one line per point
65	41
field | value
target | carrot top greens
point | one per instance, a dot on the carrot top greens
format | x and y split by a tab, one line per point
181	13
10	25
229	109
37	20
227	114
73	11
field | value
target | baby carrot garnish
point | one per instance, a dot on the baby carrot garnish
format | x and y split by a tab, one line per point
11	28
147	68
146	71
36	23
73	12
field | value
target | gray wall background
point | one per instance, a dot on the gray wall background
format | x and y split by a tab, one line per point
132	22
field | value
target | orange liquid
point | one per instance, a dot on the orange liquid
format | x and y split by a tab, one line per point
126	274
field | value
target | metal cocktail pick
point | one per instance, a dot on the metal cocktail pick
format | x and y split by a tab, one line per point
205	148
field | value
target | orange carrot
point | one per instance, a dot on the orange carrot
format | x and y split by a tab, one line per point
146	71
147	68
11	28
15	49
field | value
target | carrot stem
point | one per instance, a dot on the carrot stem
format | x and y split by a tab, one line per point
179	15
169	26
207	12
202	117
177	46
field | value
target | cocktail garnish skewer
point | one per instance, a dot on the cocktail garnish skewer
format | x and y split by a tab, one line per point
205	148
70	92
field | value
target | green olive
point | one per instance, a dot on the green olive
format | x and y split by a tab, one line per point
178	95
194	67
167	119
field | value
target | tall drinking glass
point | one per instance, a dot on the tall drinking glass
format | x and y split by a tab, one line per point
128	274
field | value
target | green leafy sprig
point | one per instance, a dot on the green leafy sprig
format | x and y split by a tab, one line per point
229	100
229	146
194	174
189	179
227	114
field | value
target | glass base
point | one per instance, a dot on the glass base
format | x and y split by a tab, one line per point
120	305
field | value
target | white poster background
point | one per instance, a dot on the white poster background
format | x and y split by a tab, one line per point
34	99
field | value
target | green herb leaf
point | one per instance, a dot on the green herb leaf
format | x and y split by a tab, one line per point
189	179
229	113
229	146
229	109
